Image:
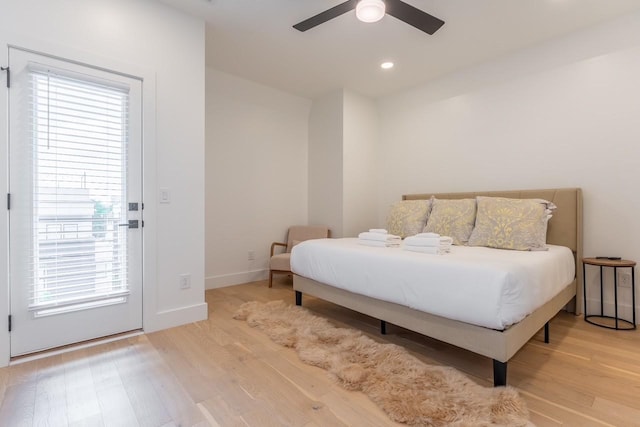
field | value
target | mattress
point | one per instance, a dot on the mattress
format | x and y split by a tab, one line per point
493	288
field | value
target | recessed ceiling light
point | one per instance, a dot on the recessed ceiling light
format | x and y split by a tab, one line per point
386	65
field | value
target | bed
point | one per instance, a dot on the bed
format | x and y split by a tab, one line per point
488	339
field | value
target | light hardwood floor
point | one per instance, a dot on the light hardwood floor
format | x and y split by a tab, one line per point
222	372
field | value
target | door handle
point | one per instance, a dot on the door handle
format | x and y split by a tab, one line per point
133	223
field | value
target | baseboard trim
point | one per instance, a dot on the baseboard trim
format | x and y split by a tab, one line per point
5	344
223	280
176	317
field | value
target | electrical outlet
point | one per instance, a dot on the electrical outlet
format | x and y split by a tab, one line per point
185	281
251	255
624	279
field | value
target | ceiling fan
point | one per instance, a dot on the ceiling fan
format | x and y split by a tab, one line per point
374	10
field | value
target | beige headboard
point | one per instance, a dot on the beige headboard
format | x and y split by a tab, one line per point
565	227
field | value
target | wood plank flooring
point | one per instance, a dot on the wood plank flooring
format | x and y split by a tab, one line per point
221	372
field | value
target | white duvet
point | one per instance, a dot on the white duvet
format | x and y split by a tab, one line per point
493	288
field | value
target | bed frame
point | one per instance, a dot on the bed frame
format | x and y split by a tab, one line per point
565	229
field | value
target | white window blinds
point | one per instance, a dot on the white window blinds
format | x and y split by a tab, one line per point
79	136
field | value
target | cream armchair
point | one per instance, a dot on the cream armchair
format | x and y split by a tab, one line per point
280	263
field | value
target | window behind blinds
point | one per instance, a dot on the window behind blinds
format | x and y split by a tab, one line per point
79	134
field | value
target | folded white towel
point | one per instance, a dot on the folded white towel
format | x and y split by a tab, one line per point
378	230
441	241
422	241
434	250
379	244
427	235
367	235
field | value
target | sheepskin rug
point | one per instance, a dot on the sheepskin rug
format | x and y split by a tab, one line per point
408	390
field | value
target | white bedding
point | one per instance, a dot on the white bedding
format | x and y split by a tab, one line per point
493	288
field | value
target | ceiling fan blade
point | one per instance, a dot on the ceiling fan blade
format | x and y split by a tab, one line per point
413	16
327	15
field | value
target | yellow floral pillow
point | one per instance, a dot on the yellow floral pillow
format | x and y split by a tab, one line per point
408	217
519	224
453	218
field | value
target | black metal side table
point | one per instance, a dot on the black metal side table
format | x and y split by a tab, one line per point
620	324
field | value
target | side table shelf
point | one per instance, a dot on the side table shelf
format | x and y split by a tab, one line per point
620	324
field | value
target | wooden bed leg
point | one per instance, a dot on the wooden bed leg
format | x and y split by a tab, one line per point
546	333
298	298
499	373
383	327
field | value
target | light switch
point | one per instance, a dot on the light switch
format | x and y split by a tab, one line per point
165	196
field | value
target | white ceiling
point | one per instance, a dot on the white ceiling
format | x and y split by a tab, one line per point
254	39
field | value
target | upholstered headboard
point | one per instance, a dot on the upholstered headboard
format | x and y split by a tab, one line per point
564	229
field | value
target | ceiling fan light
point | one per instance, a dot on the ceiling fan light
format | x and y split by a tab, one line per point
370	10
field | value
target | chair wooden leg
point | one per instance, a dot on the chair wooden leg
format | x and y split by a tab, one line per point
270	278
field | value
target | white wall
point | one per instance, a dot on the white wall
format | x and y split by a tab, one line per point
343	143
166	49
325	162
562	114
256	174
360	164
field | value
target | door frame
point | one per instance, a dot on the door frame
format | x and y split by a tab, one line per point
149	196
33	332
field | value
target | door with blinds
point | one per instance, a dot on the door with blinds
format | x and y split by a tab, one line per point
75	217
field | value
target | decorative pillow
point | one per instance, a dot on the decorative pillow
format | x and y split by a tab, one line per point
519	224
408	217
453	218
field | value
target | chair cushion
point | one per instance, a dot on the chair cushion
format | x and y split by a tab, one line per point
280	262
300	233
